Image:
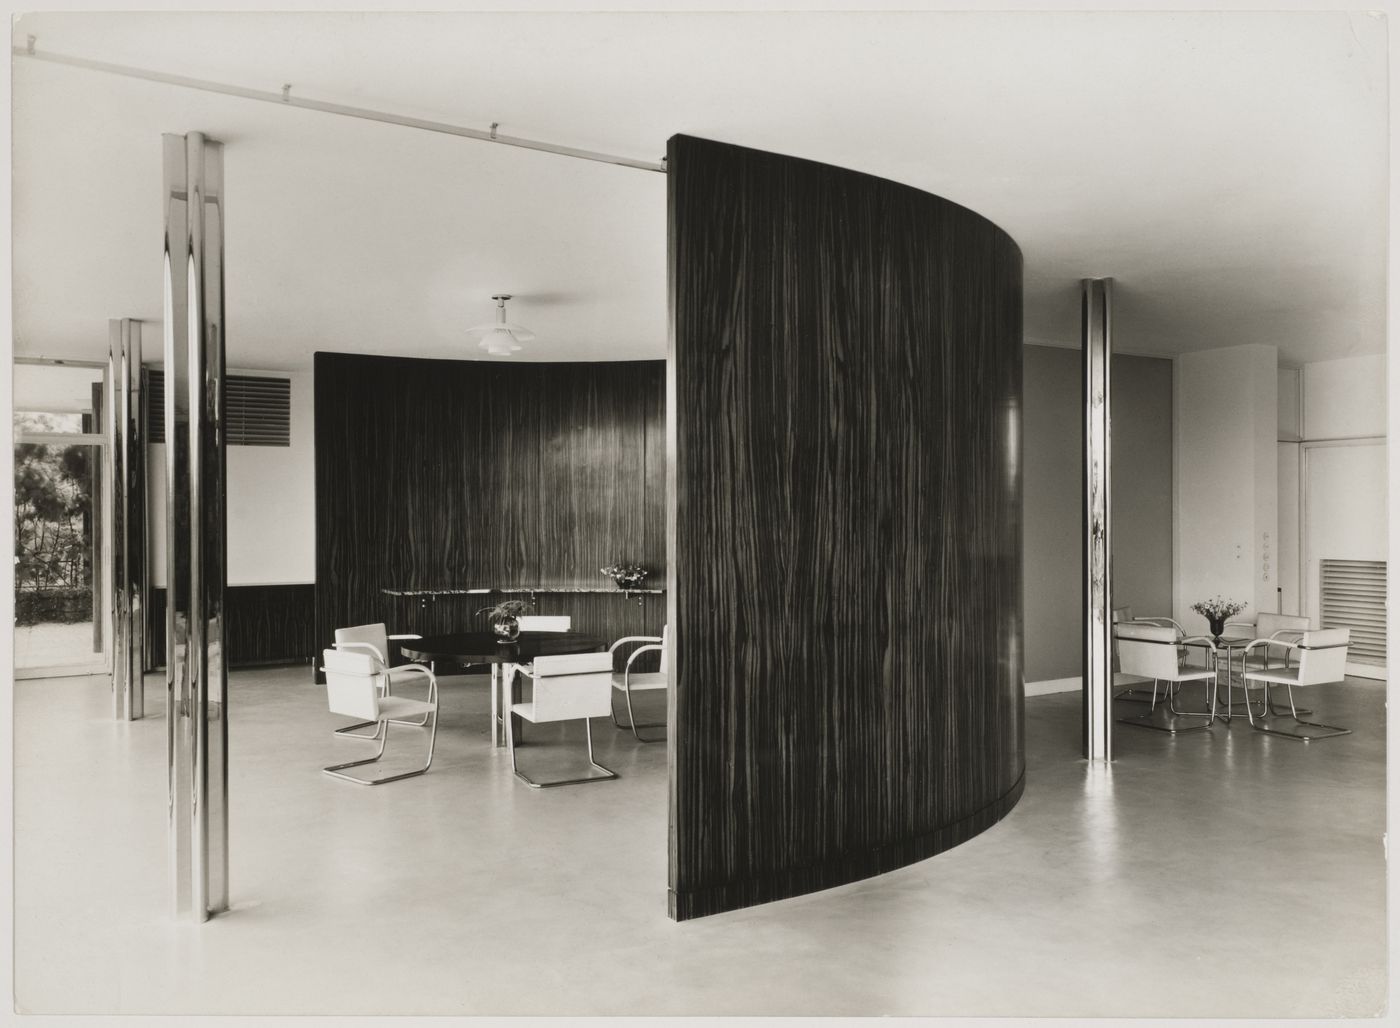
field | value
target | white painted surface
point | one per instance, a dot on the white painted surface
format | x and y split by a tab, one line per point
271	503
1240	204
1344	515
48	387
1289	499
1227	479
1290	404
1344	399
1339	399
1054	685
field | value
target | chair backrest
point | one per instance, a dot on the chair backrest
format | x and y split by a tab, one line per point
545	622
1322	656
1266	625
572	685
351	683
1148	651
376	635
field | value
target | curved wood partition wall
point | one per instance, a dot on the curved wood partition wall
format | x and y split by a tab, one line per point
845	526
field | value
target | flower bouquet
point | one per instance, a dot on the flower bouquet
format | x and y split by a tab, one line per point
1217	612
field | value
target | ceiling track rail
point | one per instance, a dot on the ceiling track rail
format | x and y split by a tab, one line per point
284	98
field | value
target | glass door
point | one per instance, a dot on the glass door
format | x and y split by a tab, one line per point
61	604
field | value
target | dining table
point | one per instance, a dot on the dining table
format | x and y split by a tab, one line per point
465	649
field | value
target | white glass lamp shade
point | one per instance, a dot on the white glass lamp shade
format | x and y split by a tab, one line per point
501	338
499	342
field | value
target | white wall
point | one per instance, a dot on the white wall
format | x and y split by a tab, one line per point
1286	558
1339	480
1290	404
271	502
1344	399
1226	420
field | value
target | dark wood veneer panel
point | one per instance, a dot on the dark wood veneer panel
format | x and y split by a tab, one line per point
439	474
264	624
845	537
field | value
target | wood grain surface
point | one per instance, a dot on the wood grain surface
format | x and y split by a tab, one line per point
845	534
263	624
438	474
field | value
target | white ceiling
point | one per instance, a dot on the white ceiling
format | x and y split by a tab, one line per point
1227	169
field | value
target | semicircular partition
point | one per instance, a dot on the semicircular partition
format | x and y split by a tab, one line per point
844	397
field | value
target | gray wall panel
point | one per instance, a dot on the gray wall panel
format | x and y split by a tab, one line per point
1142	499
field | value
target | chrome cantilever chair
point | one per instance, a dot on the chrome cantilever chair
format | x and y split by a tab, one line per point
374	640
1280	630
641	681
568	687
1150	651
352	688
1322	658
1132	693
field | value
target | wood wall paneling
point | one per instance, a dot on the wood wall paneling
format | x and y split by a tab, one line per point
438	474
846	526
264	624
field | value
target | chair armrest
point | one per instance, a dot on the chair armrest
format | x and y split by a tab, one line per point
373	649
1270	642
1293	634
410	635
523	669
638	652
1162	622
633	639
1199	640
415	667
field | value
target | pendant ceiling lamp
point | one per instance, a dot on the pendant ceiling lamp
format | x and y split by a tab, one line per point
501	338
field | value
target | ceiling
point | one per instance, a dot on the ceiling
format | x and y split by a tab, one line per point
1228	170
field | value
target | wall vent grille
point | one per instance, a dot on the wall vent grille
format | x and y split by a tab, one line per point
1353	596
258	410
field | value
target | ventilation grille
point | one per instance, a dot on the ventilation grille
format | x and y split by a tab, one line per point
257	410
1353	596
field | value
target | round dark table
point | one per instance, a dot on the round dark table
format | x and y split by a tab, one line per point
486	648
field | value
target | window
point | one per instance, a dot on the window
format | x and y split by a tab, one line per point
257	409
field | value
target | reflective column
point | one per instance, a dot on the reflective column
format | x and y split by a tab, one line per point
1097	314
196	573
127	461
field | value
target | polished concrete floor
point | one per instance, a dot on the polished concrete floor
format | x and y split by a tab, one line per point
1214	874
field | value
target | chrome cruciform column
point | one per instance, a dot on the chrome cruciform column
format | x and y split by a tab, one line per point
127	447
196	572
1097	313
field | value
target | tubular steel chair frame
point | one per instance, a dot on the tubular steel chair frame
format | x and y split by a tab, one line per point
653	644
367	638
1132	694
1284	634
559	686
1138	646
342	669
1315	641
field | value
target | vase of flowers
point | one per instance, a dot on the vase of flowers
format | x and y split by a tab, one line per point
626	576
1217	612
504	618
